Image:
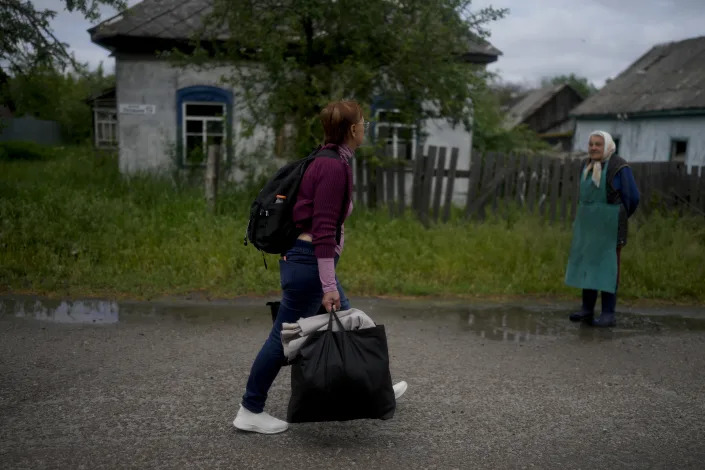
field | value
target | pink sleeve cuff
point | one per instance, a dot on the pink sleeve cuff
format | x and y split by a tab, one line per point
326	272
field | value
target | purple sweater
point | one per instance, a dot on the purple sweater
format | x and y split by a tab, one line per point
318	206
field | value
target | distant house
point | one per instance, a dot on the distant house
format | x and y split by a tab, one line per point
105	123
166	115
655	109
546	111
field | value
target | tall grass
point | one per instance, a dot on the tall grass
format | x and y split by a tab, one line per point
72	225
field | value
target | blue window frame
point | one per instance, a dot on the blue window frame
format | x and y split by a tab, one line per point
204	117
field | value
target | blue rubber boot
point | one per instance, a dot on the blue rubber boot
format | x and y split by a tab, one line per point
607	318
586	311
581	316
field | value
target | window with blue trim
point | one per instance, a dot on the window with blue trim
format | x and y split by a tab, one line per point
204	116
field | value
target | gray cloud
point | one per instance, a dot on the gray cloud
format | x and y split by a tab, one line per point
72	29
596	39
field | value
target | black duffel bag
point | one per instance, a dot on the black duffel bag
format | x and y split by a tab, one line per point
342	375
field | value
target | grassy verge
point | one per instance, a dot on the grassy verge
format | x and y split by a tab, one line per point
72	225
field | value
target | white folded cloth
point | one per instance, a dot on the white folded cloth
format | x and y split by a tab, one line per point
295	334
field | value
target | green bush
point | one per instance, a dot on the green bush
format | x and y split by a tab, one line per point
73	225
20	150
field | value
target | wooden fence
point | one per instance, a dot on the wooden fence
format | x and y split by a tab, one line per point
543	185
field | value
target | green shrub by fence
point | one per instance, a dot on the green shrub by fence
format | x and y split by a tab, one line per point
74	226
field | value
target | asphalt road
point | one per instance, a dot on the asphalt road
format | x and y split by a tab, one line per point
156	385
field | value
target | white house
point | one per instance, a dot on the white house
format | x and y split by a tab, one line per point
166	114
655	109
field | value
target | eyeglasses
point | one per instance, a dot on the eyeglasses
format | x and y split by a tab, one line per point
366	125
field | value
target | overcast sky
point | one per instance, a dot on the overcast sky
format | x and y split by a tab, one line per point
596	39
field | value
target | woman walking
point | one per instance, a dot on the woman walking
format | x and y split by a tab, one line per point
307	270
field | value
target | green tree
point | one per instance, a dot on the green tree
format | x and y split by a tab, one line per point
26	36
289	58
47	93
508	93
490	132
581	84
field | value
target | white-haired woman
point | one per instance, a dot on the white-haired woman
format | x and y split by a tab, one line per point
608	197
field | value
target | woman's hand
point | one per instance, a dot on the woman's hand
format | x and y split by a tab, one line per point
331	300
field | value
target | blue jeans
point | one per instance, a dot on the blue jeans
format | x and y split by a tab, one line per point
301	298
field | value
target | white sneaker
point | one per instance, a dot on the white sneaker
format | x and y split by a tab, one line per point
399	389
258	422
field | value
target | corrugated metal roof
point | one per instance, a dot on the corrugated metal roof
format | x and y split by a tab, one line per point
669	77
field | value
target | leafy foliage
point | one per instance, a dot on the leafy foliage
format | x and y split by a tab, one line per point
46	93
490	132
289	58
581	84
73	225
27	39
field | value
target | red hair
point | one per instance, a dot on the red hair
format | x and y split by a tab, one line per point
337	119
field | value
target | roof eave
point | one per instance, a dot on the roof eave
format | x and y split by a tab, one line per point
140	45
479	58
625	116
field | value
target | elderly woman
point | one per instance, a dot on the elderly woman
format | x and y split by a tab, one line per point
608	197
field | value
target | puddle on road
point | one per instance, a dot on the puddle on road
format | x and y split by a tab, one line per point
508	324
80	311
520	325
103	312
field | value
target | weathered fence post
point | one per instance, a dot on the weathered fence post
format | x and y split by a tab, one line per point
473	181
543	173
438	187
574	189
556	167
488	173
374	198
360	182
426	185
450	185
498	192
522	183
417	180
211	177
510	182
401	188
390	177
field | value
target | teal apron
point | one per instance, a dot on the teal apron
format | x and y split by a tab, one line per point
593	253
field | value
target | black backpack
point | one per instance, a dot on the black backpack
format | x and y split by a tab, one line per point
271	227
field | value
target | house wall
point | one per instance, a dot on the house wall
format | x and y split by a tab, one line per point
148	141
648	139
442	133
